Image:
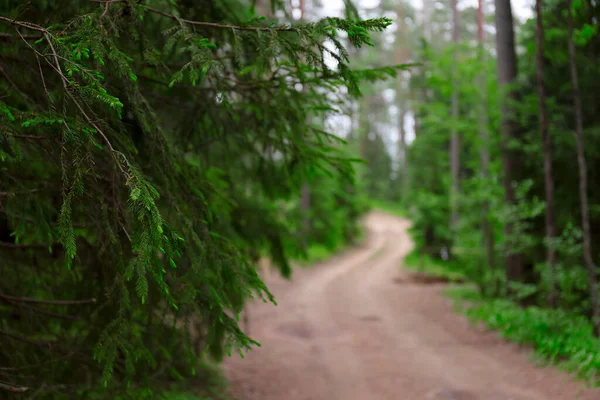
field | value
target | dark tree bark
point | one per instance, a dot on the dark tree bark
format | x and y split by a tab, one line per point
583	181
484	154
305	193
507	73
455	138
548	178
403	162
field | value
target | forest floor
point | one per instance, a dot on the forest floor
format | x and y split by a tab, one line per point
358	327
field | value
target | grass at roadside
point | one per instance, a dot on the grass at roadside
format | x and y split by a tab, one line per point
319	252
556	337
430	266
389	207
197	391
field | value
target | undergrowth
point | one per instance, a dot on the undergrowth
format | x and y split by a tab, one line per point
557	337
436	268
321	252
389	207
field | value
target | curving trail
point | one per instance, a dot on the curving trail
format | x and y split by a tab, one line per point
349	329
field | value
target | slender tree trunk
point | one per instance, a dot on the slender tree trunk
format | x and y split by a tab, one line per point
507	73
583	195
402	56
487	232
414	99
455	138
421	97
548	181
305	191
426	28
263	7
403	153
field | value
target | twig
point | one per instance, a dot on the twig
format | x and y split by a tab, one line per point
26	137
33	221
42	311
9	245
105	9
14	389
7	36
24	24
27	340
21	191
51	302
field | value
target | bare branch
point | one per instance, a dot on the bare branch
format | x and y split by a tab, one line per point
8	36
14	389
50	302
7	194
9	245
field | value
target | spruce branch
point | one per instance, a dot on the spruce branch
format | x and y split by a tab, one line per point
118	156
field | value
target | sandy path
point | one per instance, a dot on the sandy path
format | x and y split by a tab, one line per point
346	330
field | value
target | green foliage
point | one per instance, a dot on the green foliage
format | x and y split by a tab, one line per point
150	153
389	207
433	267
477	248
557	336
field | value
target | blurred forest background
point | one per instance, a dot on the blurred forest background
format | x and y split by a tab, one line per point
152	152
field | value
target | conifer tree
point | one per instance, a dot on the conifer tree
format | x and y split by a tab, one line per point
146	148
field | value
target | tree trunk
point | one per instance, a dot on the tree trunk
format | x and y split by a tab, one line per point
507	73
487	232
402	154
583	195
402	56
455	139
425	16
305	200
548	182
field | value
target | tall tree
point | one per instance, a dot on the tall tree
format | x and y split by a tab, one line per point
305	192
547	150
484	153
583	179
426	5
402	51
507	74
455	138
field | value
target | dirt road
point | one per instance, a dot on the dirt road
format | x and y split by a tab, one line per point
357	328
